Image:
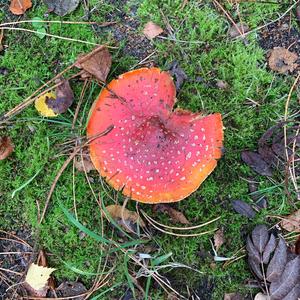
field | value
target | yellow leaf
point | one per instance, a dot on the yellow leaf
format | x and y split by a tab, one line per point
37	276
42	107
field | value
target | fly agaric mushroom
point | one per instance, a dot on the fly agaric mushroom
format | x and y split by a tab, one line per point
153	154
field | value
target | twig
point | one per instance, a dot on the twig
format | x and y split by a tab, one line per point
64	166
104	24
271	22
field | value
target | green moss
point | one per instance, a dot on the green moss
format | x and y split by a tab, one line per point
203	49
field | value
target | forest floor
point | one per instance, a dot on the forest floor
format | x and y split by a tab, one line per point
225	71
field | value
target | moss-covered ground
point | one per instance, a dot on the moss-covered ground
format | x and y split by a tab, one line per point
203	49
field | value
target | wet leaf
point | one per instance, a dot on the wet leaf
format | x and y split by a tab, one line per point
238	29
62	7
269	249
18	7
282	60
124	217
219	239
64	98
252	251
151	30
176	71
71	288
175	215
256	162
287	282
291	223
52	104
243	208
260	237
255	266
294	294
97	63
36	281
278	262
6	147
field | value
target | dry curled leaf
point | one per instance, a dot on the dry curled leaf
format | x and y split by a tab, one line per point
282	60
151	30
233	296
257	163
36	280
291	223
62	7
6	147
18	7
124	217
219	239
243	208
97	63
175	215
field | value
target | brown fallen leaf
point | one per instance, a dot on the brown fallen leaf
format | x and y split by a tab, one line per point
219	239
83	163
282	60
97	63
125	218
18	7
6	147
291	223
151	30
175	215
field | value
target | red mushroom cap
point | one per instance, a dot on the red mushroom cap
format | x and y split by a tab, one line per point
153	154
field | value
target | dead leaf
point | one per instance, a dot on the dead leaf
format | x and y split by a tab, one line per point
62	7
6	147
282	60
257	163
233	296
291	223
175	215
222	85
219	239
151	30
261	296
83	163
297	246
97	63
52	104
18	7
124	217
36	281
243	208
176	71
238	29
71	288
64	97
